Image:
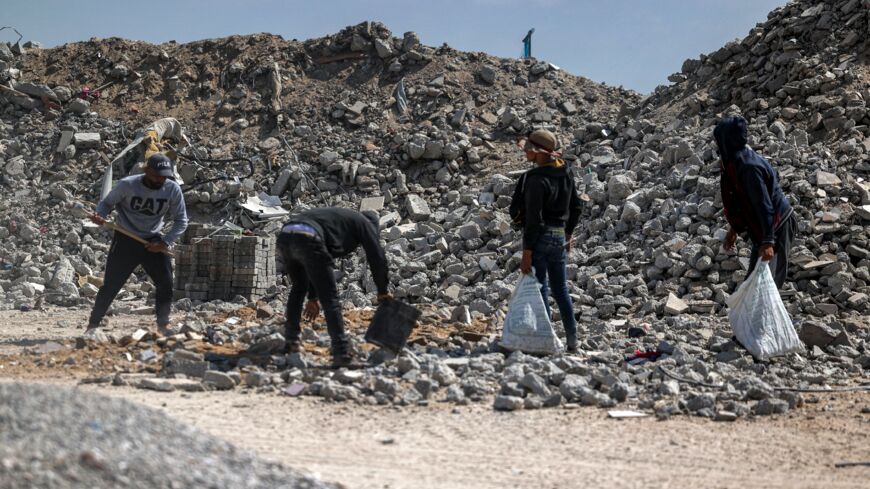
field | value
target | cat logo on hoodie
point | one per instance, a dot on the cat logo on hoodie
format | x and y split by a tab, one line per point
149	206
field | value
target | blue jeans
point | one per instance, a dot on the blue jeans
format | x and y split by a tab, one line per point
549	258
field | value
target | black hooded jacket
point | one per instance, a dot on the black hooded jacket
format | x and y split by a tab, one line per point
343	231
753	200
549	200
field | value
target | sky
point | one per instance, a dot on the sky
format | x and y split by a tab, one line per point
632	43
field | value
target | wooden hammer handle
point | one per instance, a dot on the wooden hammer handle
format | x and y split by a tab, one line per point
118	228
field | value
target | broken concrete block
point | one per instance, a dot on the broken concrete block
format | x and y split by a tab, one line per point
155	384
189	368
15	167
418	209
87	140
281	183
488	74
384	48
675	306
569	108
218	380
66	138
372	204
78	106
816	334
824	179
507	403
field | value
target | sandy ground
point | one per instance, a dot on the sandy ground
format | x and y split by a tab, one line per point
25	329
438	447
442	446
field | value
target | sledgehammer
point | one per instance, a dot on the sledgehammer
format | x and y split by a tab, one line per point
80	210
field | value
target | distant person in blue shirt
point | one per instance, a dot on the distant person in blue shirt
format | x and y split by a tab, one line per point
754	202
141	202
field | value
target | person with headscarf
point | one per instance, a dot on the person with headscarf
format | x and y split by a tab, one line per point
547	207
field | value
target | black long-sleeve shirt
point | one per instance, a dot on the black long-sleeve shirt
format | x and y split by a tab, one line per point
342	231
551	200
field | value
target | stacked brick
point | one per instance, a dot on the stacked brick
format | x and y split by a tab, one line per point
211	266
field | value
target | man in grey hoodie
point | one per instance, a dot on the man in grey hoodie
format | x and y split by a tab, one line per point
141	202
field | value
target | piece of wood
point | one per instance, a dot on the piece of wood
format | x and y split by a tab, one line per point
340	57
117	227
12	91
851	464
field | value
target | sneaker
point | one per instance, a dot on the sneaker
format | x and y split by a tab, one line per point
102	324
341	360
292	346
93	335
165	330
341	357
571	343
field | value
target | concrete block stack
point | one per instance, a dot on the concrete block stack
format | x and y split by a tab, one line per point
253	265
223	266
192	259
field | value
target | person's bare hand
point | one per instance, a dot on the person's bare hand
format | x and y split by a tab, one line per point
97	219
766	252
569	244
157	247
526	263
312	309
730	239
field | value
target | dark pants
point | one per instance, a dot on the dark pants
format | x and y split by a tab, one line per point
124	256
309	264
549	259
783	238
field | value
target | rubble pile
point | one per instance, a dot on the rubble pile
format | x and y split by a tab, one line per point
695	368
97	441
426	137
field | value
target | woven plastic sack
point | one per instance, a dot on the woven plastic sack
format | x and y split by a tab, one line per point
759	318
527	326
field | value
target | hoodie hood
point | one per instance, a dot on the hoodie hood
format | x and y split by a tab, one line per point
731	136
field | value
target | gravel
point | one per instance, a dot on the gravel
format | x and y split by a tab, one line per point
54	437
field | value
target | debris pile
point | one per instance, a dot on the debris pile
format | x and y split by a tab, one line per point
60	437
665	367
426	137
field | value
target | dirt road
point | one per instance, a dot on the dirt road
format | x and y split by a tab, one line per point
439	447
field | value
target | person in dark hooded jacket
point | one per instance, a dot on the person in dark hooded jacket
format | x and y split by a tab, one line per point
754	202
309	243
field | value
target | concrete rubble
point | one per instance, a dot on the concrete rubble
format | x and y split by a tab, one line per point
95	441
647	254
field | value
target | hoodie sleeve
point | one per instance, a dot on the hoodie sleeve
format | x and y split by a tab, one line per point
754	184
114	197
517	204
574	209
535	191
179	216
376	257
729	202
